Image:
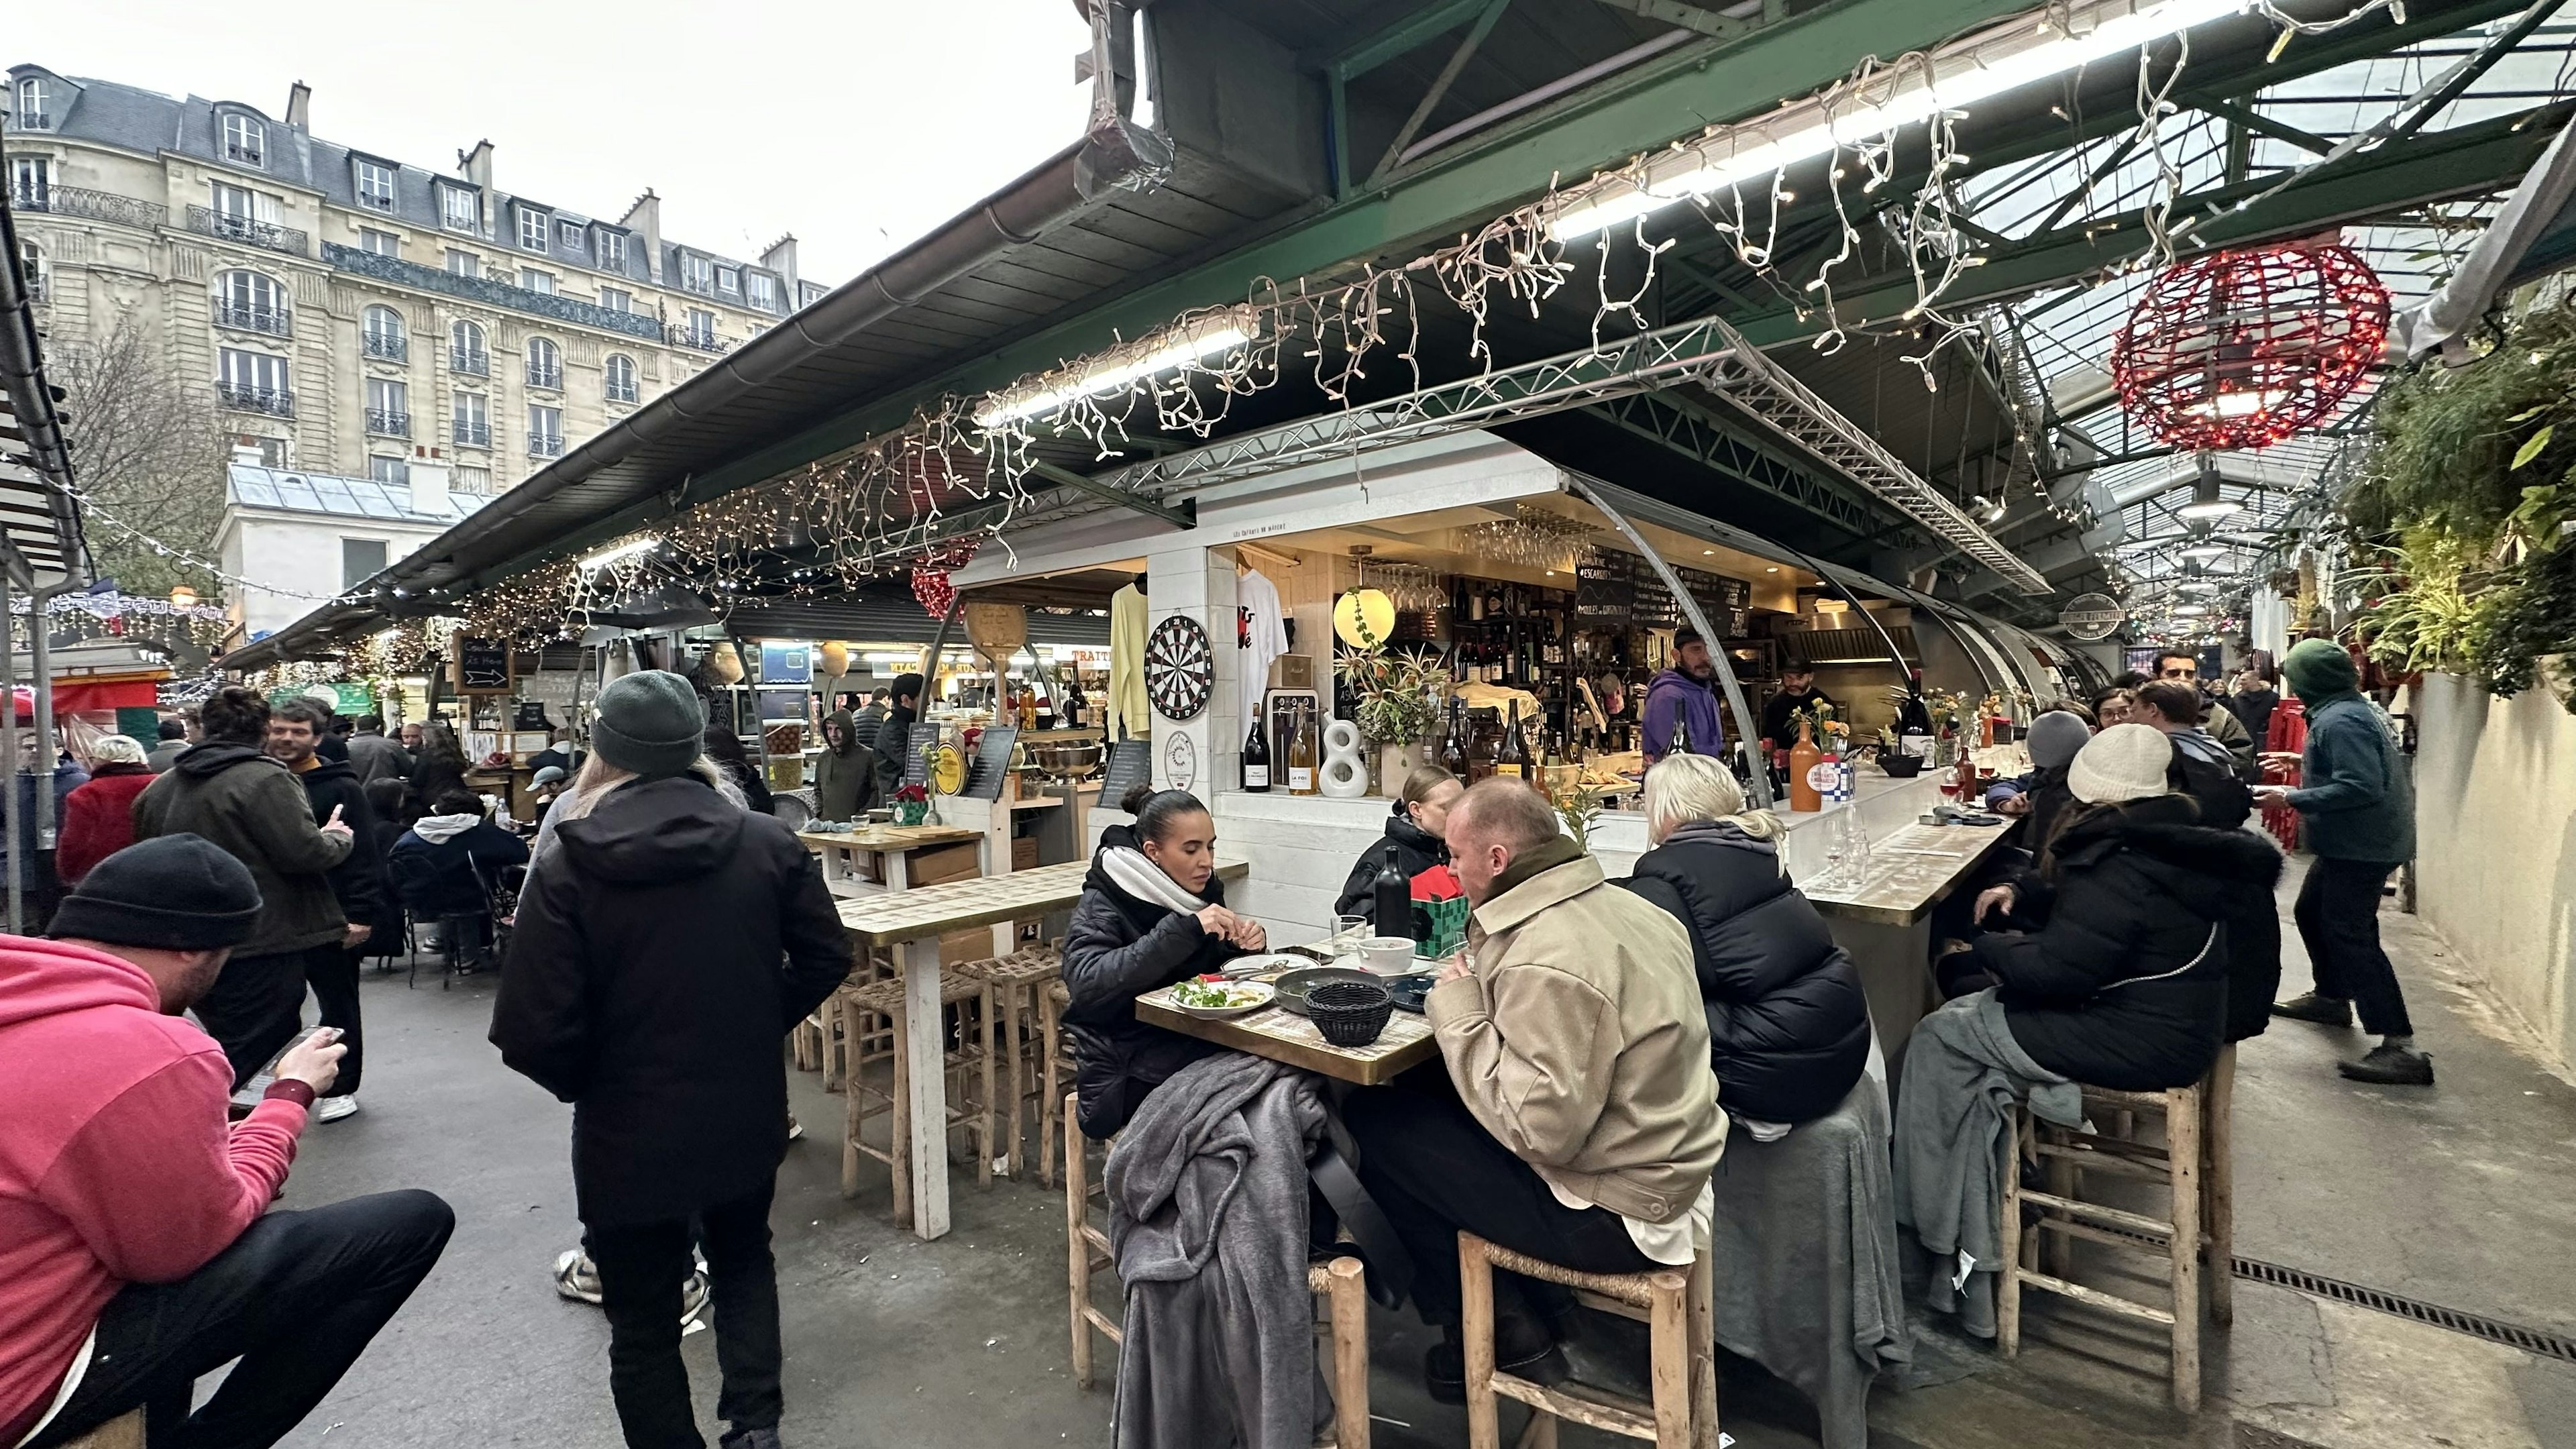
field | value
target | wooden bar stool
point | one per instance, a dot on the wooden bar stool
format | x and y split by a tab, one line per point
1341	1282
123	1432
1020	981
2193	1165
970	1102
1674	1304
1055	1114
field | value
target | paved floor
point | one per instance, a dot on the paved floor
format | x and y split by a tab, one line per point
2464	1196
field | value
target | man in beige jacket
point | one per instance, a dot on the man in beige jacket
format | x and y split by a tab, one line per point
1583	1125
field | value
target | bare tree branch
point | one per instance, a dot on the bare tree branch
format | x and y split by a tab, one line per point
148	449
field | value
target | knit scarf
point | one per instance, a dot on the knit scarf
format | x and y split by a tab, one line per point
1130	871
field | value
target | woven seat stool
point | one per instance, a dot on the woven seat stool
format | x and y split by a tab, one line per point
1020	981
2194	1166
122	1432
970	1108
1673	1303
1341	1282
1055	1113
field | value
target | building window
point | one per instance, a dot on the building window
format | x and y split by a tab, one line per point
251	302
477	481
376	185
32	112
616	299
809	293
465	350
459	209
537	281
621	378
762	289
243	207
362	559
388	408
31	265
463	263
31	182
698	274
472	426
612	250
545	364
271	452
382	243
254	382
568	234
390	471
545	431
384	335
532	229
244	138
729	280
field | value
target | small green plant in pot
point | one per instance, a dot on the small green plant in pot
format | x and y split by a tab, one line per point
1400	695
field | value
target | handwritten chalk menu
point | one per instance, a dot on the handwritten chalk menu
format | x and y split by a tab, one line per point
916	761
1130	764
482	666
1601	590
992	765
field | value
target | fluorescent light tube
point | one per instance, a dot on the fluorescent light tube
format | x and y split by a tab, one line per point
1121	366
630	549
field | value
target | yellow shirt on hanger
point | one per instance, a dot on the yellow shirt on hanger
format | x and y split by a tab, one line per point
1126	702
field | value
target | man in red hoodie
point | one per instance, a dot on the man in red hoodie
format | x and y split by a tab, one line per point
134	1254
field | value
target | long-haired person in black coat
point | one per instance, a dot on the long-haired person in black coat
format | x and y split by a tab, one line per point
1152	912
667	940
1788	1028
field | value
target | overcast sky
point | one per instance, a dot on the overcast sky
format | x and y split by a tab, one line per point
856	124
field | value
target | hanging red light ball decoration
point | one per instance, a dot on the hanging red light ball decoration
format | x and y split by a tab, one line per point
2243	349
932	589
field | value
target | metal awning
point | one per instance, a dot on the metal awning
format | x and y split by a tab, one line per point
40	540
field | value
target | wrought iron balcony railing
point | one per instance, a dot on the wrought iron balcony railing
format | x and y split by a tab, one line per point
246	317
387	423
233	227
277	402
388	347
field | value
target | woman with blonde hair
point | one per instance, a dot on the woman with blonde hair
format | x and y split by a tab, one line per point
1788	1028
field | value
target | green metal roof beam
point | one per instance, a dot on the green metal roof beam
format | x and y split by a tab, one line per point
1400	39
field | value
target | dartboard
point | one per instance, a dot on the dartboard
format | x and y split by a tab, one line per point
1178	669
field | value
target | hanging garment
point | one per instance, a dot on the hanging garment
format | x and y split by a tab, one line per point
1125	714
1259	630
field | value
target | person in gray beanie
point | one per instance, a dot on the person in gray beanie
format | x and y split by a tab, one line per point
665	943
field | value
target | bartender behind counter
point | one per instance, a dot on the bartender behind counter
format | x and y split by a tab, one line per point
1797	691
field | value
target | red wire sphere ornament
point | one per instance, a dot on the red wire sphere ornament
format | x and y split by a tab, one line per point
2242	349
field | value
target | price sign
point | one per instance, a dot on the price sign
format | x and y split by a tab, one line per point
992	762
482	666
1130	764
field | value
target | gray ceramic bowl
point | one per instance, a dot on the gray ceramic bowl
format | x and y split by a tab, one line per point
1293	985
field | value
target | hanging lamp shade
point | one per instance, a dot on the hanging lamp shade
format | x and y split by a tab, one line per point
2243	349
1364	618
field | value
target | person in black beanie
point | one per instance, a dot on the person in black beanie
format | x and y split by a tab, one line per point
149	1242
666	941
894	736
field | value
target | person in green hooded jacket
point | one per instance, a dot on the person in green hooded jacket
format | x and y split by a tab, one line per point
2356	801
845	779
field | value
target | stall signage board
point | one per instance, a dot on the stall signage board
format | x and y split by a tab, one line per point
1604	592
992	762
1130	764
916	767
2091	616
785	661
482	666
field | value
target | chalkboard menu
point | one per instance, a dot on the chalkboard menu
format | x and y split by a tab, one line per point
1130	764
916	764
1602	590
482	666
992	764
1624	589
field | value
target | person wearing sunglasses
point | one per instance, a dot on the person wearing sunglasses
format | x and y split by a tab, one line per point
2183	667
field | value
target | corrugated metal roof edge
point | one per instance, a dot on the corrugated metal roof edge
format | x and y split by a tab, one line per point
31	403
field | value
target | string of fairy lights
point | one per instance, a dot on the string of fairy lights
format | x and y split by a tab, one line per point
923	496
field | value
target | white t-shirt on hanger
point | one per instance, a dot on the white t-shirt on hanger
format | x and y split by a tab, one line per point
1263	636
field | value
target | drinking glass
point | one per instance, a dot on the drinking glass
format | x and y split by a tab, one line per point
1950	788
1348	932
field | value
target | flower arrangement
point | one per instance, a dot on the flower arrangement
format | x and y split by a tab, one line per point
1579	811
1831	735
1399	693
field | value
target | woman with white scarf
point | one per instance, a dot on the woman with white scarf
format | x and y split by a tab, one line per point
1152	912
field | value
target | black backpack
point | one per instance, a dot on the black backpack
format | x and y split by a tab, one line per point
2225	802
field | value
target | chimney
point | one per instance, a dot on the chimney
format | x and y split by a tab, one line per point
429	490
299	106
644	219
477	164
781	258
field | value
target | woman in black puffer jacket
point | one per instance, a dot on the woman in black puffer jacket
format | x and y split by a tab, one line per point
1413	830
1788	1028
1152	912
2124	985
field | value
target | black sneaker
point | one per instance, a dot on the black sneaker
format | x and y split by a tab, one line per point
2323	1010
749	1439
1522	1348
2391	1066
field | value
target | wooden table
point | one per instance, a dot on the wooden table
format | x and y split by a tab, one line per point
1284	1036
1884	921
888	845
913	921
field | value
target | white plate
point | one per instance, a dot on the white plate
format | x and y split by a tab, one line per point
1264	988
1265	964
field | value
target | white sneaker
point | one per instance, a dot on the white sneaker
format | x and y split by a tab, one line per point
575	1278
332	1109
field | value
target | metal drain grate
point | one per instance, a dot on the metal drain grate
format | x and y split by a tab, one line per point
2493	1330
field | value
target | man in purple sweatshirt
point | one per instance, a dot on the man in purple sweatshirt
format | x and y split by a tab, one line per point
1685	694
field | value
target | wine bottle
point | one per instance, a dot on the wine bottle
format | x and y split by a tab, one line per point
1391	898
1301	757
1256	759
1681	743
1453	746
1511	760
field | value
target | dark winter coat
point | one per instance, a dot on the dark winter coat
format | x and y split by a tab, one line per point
893	748
746	778
375	757
2356	795
1788	1028
845	779
1416	850
359	881
98	819
2126	984
250	806
1118	948
2253	709
664	948
433	873
432	777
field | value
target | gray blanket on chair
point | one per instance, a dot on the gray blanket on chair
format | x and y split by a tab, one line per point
1803	1256
1207	1219
1963	1073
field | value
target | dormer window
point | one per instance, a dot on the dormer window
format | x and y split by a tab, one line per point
375	185
532	229
459	209
699	274
33	112
729	280
612	250
568	234
245	139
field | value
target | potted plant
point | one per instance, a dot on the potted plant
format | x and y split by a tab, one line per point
1399	696
911	805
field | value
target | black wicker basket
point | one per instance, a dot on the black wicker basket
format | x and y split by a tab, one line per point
1350	1013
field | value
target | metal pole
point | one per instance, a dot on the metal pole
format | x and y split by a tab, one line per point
1747	729
930	656
1895	656
9	752
39	633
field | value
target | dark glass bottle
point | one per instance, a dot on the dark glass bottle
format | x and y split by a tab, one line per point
1511	758
1453	746
1391	898
1256	759
1681	742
